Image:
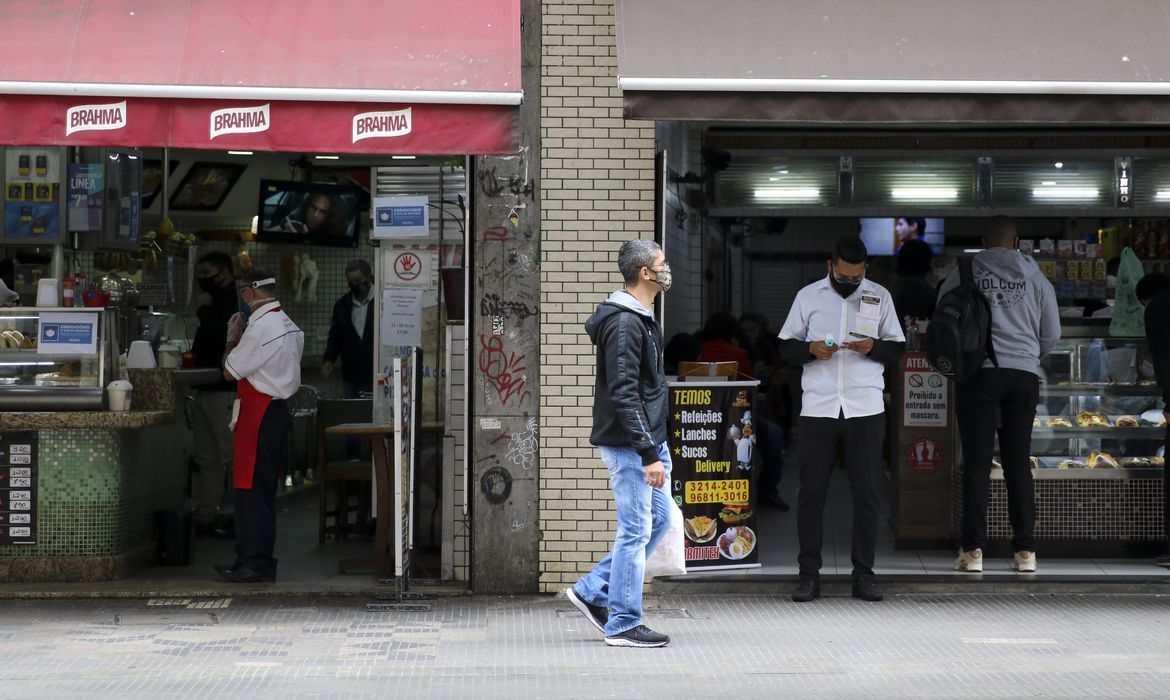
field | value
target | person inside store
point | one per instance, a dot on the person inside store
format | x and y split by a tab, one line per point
1153	291
318	214
682	347
841	405
629	431
264	349
908	228
914	296
759	343
721	343
1001	399
351	333
211	412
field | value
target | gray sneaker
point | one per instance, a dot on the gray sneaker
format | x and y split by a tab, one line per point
596	614
640	636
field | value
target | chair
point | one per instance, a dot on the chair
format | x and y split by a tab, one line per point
338	470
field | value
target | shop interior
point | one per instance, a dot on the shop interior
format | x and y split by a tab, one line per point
750	216
133	243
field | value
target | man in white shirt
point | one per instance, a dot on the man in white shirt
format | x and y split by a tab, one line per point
264	357
843	330
351	333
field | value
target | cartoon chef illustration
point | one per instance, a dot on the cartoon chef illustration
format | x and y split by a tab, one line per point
744	440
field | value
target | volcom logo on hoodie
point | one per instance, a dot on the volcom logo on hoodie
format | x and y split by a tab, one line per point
999	291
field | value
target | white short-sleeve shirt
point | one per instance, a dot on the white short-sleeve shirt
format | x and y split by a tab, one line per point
849	383
269	353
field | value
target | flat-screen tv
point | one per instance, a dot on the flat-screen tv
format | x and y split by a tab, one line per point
309	213
884	236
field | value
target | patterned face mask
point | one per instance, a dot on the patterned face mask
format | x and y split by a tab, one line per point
662	276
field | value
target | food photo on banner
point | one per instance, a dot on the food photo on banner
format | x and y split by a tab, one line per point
713	446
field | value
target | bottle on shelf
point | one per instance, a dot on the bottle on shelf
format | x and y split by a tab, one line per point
67	290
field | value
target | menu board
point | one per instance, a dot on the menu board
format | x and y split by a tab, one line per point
18	488
32	194
715	466
403	402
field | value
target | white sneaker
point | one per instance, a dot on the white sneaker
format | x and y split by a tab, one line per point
1026	562
970	561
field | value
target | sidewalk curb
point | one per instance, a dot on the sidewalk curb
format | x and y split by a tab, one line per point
967	584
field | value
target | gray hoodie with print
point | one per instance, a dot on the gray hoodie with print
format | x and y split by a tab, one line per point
1025	320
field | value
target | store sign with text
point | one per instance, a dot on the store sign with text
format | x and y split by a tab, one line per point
715	466
18	488
925	394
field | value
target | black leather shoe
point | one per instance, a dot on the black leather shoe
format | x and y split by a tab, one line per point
865	589
807	590
242	574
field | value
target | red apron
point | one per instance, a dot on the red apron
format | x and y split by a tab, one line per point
253	404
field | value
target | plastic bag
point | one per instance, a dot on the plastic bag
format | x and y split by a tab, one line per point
668	558
1129	316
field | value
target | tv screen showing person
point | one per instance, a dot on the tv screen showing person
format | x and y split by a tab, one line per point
886	235
302	212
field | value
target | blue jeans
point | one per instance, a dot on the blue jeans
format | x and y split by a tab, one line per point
643	516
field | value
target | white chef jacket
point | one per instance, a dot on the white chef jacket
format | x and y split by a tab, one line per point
849	384
269	353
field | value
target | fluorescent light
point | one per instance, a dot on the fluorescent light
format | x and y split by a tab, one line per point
1162	195
328	157
788	193
1058	165
773	179
132	157
239	153
972	251
1065	193
1048	183
402	157
925	193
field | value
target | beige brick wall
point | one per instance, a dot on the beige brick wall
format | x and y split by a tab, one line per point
596	190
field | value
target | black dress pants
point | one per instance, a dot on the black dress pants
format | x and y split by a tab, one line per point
861	439
256	507
999	401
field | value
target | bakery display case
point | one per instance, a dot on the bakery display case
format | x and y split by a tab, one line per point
1100	412
55	359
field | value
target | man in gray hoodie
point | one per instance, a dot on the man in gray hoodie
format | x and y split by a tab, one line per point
1025	324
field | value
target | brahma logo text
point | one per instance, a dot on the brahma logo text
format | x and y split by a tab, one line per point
240	120
95	117
368	125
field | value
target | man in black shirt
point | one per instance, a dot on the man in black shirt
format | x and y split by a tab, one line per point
351	333
1153	290
212	411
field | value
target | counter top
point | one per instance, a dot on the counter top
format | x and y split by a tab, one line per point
84	420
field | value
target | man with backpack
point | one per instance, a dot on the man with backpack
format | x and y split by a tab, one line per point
999	394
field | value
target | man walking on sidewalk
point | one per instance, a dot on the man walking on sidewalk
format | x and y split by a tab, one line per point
1025	324
843	329
629	430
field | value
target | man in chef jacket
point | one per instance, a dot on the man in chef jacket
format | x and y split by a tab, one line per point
264	357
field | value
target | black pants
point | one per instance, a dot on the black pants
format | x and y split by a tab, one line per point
816	447
256	507
1166	486
1003	401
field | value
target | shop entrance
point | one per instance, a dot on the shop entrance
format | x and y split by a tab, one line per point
750	216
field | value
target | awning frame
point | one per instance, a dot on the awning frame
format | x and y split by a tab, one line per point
950	87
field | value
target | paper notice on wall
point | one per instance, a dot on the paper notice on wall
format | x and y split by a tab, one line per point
401	216
402	317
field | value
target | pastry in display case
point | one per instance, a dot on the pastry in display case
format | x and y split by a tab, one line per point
1100	412
54	359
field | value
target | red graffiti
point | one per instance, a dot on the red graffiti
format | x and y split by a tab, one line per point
502	369
496	233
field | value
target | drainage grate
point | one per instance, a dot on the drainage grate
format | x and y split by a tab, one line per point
216	604
168	602
165	619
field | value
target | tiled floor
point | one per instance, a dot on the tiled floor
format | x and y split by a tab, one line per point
778	548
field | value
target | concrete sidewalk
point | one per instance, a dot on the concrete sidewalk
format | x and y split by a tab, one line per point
728	646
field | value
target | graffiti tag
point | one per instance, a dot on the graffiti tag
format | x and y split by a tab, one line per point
492	305
502	369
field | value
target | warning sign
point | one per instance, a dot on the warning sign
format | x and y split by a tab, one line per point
410	268
924	456
924	394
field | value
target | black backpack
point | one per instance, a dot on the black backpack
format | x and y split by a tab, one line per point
958	339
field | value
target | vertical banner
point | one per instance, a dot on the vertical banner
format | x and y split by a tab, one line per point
18	488
85	196
714	450
403	458
32	194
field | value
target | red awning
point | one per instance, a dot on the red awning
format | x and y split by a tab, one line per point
358	76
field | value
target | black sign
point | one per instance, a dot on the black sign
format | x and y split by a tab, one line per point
715	464
18	488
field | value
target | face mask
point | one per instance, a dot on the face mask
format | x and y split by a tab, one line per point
663	278
845	289
360	290
208	284
245	307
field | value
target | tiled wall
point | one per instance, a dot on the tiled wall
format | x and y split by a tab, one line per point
98	489
597	191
